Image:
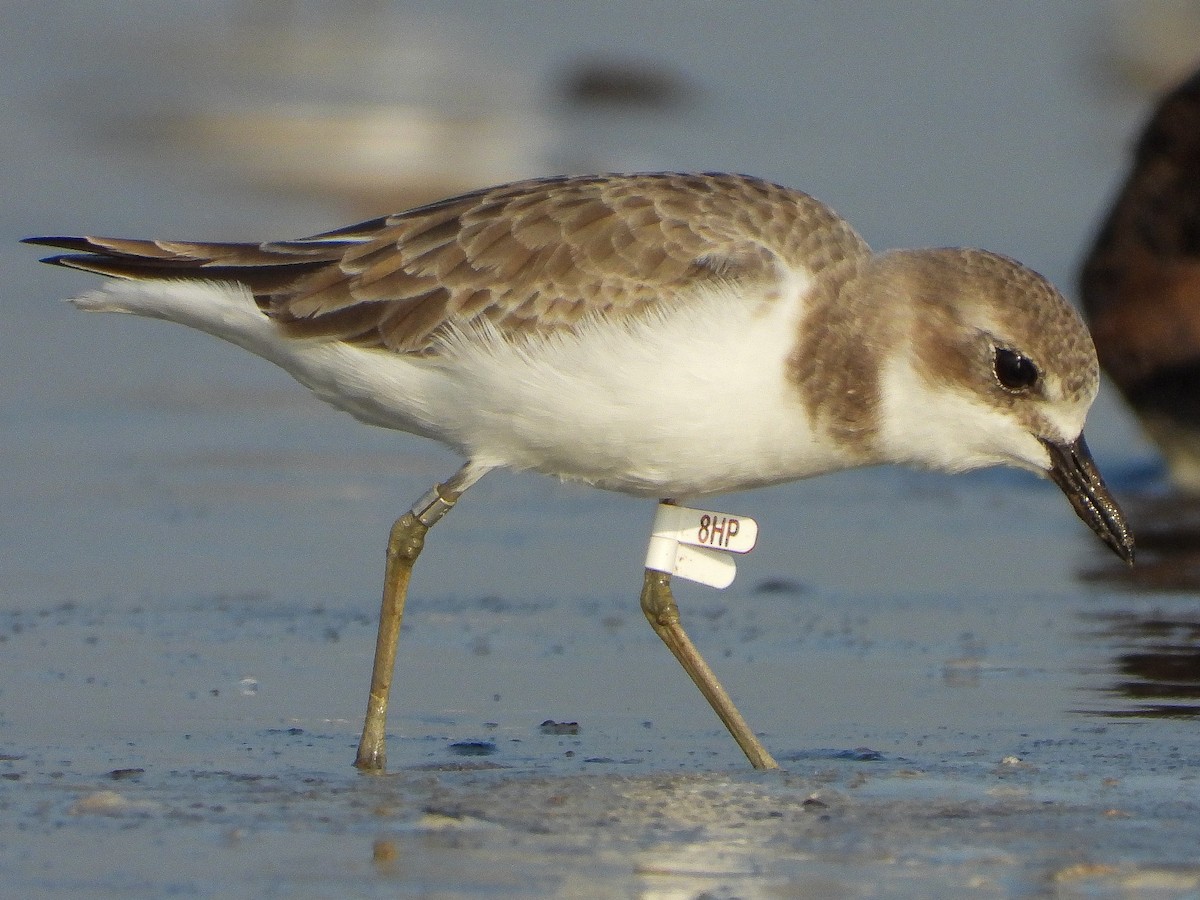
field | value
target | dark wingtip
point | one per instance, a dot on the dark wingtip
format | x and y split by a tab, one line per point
58	260
82	262
82	256
63	242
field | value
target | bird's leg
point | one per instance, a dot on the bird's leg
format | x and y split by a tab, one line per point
659	606
404	546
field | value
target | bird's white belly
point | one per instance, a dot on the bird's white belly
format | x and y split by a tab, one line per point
681	405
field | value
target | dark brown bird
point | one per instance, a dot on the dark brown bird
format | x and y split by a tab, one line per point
1140	285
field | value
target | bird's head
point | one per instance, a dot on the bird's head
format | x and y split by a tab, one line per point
995	368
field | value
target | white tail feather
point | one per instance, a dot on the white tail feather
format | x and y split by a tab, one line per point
221	308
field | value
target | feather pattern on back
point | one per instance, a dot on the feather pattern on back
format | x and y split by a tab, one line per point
528	258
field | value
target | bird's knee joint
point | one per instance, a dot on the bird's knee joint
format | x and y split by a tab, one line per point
658	604
407	538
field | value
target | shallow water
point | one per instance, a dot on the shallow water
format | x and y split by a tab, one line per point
965	692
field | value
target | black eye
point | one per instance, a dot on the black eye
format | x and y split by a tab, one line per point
1015	371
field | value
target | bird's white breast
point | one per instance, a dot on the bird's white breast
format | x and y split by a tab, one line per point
692	400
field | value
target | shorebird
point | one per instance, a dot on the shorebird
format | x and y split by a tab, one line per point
662	335
1140	285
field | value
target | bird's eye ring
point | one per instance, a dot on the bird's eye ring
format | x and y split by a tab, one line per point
1014	370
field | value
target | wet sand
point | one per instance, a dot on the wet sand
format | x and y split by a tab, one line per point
930	744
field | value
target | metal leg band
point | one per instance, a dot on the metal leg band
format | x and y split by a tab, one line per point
432	506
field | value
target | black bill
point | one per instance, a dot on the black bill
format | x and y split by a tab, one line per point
1073	470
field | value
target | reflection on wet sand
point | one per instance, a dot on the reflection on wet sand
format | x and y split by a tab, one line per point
1155	653
1157	666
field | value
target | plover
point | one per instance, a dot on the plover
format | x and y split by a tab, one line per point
662	335
1140	284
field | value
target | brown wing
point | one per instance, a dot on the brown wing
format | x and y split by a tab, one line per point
529	257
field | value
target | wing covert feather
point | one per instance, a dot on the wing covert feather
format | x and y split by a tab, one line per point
528	257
